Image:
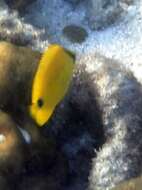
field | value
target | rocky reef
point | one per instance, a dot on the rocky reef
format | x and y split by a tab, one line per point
18	4
94	137
133	184
119	157
102	13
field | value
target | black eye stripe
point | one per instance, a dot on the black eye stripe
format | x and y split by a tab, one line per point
40	102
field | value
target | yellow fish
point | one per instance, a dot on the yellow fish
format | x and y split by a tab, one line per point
51	82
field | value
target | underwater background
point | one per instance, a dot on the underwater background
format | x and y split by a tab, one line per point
98	125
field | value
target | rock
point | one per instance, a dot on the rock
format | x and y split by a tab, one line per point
76	34
73	2
50	177
15	81
4	183
45	166
37	165
13	29
75	129
2	5
19	4
128	2
119	96
11	147
102	13
133	184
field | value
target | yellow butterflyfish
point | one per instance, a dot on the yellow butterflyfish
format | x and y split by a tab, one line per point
51	82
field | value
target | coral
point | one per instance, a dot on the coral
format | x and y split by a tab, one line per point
19	4
133	184
120	98
102	13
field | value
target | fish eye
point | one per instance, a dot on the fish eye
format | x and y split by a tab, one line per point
40	102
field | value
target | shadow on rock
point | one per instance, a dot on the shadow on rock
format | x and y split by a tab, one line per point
77	126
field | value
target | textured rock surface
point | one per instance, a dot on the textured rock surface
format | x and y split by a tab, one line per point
11	146
4	183
75	2
50	177
102	13
12	29
120	97
19	4
14	77
133	184
11	151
